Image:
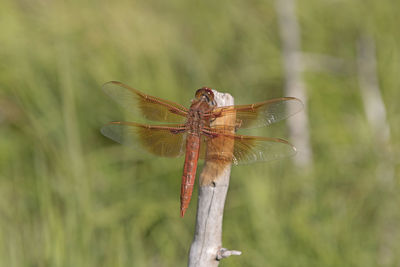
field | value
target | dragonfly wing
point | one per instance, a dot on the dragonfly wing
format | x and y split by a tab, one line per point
249	149
263	113
141	104
161	140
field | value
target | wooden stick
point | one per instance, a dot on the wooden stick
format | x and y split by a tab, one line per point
206	249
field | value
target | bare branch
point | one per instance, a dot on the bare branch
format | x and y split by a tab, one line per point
225	253
206	249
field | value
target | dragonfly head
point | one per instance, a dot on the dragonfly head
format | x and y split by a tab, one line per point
205	94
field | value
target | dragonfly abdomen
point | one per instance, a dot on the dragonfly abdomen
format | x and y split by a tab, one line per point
189	170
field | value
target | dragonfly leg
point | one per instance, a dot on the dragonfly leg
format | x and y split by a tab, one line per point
177	131
238	124
208	133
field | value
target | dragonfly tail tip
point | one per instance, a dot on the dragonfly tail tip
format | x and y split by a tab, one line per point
183	212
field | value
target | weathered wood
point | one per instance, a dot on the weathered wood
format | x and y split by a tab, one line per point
206	249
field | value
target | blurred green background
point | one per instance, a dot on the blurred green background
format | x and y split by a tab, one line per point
71	197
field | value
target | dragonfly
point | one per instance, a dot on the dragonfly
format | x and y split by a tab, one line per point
193	131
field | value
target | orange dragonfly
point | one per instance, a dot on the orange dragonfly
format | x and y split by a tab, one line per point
191	131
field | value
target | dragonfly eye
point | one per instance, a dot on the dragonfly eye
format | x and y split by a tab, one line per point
199	93
206	92
210	94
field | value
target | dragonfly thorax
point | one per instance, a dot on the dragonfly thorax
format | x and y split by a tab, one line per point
198	115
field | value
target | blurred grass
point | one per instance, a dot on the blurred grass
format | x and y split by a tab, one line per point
70	197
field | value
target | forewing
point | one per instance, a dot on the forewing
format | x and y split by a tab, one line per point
161	140
263	113
140	104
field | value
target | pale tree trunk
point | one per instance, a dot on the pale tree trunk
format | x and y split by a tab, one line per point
294	86
206	249
374	106
375	111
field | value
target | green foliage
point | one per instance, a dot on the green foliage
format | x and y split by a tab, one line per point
70	197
